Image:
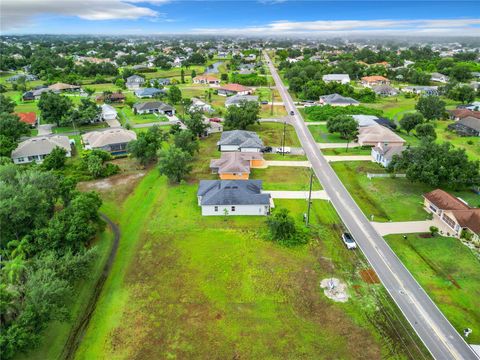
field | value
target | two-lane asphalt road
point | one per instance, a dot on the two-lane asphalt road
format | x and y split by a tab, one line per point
436	332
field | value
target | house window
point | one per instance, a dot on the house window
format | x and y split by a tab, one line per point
449	221
433	208
233	208
216	208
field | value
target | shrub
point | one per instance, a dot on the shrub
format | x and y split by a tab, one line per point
433	230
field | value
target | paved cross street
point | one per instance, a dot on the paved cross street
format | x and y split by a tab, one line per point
436	332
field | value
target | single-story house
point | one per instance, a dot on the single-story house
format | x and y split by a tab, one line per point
116	97
37	148
163	82
420	89
437	77
384	90
236	100
369	81
341	78
149	92
240	140
468	126
453	215
337	100
17	77
113	140
62	87
233	197
365	120
236	165
234	89
200	105
374	134
134	82
29	118
206	79
458	114
383	153
34	94
108	112
386	122
473	106
151	107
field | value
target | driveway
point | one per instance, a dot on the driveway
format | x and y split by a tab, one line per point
308	123
403	227
45	129
288	163
319	194
113	123
293	150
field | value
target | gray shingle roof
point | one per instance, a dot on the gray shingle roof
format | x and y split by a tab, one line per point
237	99
241	138
470	122
338	99
153	105
41	145
232	192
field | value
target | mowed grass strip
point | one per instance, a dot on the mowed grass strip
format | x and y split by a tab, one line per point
285	178
449	272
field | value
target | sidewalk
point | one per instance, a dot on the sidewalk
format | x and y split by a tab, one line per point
336	145
287	163
335	158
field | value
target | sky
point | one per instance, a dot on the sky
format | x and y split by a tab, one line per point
245	18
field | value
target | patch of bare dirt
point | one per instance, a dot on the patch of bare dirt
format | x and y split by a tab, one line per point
106	184
369	276
335	289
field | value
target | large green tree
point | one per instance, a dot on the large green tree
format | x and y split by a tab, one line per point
186	141
410	121
437	165
7	105
55	108
87	112
145	148
196	124
426	130
243	115
175	163
55	160
345	125
431	107
174	94
463	93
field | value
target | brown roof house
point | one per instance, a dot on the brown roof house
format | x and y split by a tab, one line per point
234	89
236	165
369	81
453	215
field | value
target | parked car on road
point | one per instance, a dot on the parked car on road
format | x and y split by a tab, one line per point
264	102
267	149
292	113
348	241
284	150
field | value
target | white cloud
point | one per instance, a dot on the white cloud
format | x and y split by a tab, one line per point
15	14
467	27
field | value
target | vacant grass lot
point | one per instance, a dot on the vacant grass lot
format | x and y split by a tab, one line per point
471	144
395	199
186	286
321	135
450	274
272	134
285	178
348	152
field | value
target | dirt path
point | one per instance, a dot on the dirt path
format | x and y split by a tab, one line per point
77	333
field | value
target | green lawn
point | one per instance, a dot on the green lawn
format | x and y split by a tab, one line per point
141	119
348	152
395	199
321	135
449	272
285	178
187	286
272	134
471	144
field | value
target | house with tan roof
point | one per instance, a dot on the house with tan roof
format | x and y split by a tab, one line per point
453	215
234	89
206	80
37	148
236	165
62	87
369	81
374	134
114	140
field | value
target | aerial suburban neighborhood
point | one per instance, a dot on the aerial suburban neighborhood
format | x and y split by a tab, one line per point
175	186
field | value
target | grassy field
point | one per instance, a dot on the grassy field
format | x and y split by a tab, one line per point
285	178
471	144
347	152
187	286
449	272
321	135
272	134
395	199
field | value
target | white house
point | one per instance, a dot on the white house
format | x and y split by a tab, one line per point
383	153
37	148
341	78
439	78
233	197
134	82
108	112
200	105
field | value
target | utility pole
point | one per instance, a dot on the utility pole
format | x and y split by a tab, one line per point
283	142
307	220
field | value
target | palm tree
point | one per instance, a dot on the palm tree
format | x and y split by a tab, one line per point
14	269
